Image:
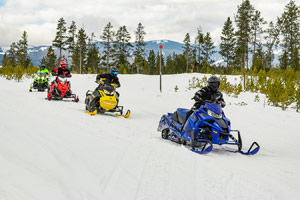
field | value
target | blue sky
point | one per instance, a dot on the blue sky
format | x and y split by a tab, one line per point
163	19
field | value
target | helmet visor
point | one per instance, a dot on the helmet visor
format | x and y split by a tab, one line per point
214	85
114	72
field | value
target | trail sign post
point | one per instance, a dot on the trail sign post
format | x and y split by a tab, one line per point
160	85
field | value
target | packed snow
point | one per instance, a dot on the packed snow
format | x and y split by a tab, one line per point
52	150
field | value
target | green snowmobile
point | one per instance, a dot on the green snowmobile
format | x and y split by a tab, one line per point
40	80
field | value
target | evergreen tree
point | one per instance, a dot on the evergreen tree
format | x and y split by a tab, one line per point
12	54
256	29
107	37
208	49
258	58
291	33
140	45
79	55
227	43
272	40
243	22
122	47
93	56
151	61
4	60
60	38
71	38
50	59
187	50
295	61
22	56
199	44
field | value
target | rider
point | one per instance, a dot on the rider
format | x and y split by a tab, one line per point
109	78
62	70
210	92
43	70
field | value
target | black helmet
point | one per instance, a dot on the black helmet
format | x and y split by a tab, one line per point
43	67
114	70
214	83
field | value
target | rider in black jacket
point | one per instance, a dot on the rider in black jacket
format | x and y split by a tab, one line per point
210	92
107	79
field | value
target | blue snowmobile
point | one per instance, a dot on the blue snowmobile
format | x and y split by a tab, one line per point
206	126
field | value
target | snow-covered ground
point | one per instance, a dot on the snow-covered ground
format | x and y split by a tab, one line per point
52	150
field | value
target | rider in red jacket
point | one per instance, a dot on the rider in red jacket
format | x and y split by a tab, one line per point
62	70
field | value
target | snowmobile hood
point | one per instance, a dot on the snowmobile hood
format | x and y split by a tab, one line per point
216	108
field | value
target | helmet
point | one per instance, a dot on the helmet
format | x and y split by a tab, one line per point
63	64
214	83
43	67
114	70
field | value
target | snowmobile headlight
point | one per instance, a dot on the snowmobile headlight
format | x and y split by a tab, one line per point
215	115
106	92
109	93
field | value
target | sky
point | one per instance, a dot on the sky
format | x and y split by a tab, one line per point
162	19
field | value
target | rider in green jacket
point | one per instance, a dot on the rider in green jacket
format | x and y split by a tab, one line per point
41	79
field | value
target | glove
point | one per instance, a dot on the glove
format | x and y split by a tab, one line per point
114	85
54	74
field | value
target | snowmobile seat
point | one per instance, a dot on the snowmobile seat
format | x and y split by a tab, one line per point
180	115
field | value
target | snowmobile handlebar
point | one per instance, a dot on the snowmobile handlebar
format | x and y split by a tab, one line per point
103	83
64	76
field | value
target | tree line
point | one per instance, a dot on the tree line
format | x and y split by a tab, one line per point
247	42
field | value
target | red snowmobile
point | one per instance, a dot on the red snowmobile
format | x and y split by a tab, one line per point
61	88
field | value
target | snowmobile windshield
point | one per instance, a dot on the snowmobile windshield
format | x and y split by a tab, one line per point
62	79
216	108
109	88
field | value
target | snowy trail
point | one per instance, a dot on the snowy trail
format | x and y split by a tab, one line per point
53	150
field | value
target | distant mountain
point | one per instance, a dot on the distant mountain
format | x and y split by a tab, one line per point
36	53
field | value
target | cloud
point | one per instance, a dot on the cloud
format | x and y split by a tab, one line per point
163	19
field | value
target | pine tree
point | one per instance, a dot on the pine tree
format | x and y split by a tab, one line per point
22	56
295	61
93	56
227	43
151	61
140	45
272	40
4	60
243	23
258	58
199	44
50	59
122	47
79	55
208	49
187	50
12	54
291	32
60	38
70	42
256	29
107	37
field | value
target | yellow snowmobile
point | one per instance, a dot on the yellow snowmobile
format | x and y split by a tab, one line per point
108	101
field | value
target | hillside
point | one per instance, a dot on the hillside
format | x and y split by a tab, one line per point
53	150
